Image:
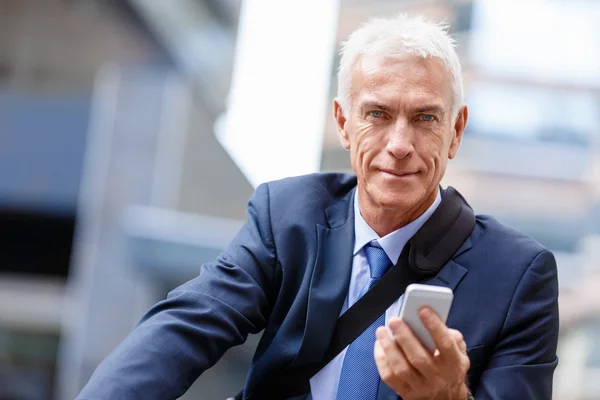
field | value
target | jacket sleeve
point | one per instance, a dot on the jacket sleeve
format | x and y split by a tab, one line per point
523	362
189	331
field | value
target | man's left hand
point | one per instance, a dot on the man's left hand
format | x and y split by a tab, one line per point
413	371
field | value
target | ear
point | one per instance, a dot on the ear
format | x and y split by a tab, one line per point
340	121
457	131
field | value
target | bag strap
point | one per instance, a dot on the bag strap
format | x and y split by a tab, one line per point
422	257
350	325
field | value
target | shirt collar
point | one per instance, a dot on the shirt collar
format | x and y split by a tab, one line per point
393	242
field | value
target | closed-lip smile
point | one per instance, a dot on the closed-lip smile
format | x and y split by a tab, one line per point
397	173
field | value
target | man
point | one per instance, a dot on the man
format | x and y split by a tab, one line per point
308	250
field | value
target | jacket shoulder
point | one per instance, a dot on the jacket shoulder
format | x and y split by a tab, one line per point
504	245
308	194
331	184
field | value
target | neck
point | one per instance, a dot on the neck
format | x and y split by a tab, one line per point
384	220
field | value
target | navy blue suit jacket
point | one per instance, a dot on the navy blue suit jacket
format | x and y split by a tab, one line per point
287	272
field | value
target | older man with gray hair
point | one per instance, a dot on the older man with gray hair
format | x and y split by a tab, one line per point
323	261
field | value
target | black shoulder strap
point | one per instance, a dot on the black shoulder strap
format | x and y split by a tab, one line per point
423	256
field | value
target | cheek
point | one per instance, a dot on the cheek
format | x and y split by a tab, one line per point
434	152
364	146
442	154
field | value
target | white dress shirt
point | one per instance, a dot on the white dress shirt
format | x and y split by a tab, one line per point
323	386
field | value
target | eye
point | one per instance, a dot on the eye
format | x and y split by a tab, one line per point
427	118
375	114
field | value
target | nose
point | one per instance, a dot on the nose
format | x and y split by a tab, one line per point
400	141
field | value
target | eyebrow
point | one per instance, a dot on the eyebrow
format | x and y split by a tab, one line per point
429	108
374	104
433	108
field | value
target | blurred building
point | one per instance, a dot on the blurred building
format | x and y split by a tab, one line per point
117	180
100	110
50	52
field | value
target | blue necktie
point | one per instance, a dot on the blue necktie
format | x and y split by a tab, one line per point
359	379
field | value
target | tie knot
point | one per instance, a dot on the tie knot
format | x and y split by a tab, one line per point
379	262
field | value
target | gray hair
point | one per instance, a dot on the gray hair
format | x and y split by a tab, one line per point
394	37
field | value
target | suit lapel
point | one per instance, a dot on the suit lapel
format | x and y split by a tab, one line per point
330	280
450	276
452	273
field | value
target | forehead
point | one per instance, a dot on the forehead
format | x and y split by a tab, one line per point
405	80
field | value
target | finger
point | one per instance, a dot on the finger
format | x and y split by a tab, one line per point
381	361
385	371
439	332
462	347
400	367
459	340
416	355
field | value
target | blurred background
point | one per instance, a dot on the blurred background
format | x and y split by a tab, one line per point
132	134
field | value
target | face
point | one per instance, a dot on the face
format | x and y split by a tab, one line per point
400	130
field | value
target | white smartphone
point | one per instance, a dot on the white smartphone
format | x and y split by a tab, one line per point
439	299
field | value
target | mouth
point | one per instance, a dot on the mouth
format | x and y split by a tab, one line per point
397	174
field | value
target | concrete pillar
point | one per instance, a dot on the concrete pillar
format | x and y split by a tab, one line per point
133	157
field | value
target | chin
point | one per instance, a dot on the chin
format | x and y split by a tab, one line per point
397	202
397	196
